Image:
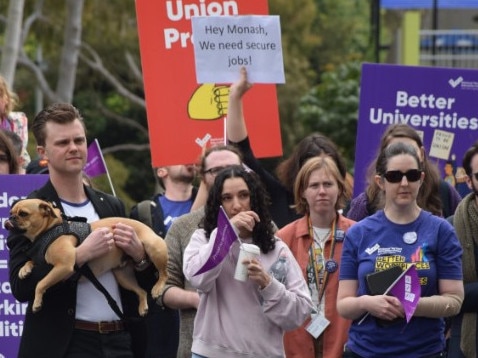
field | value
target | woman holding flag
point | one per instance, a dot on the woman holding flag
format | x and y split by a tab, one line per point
402	234
236	318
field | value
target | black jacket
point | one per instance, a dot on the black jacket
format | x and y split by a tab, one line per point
47	332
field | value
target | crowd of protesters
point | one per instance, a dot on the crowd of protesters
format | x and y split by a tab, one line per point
306	294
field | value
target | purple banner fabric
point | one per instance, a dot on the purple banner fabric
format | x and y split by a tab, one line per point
224	239
407	289
440	103
428	4
94	165
12	312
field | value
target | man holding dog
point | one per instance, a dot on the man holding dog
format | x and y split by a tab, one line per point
76	320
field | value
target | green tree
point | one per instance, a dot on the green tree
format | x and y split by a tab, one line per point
344	29
332	107
318	37
299	41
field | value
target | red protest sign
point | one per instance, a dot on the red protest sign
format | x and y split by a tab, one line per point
182	115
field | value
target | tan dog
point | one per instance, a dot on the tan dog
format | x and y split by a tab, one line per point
34	216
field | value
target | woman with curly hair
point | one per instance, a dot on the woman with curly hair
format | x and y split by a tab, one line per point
236	318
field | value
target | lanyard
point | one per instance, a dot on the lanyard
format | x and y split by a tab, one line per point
313	258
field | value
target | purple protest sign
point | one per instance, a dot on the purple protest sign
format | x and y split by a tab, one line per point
95	165
440	103
12	188
408	291
225	237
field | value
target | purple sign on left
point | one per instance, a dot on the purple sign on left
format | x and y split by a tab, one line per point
12	187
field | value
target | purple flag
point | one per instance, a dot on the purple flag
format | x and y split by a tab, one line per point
224	239
407	289
95	165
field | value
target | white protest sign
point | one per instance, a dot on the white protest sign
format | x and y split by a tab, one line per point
223	44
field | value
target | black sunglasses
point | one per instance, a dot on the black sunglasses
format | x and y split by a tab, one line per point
396	176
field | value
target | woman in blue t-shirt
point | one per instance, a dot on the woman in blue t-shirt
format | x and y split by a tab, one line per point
399	235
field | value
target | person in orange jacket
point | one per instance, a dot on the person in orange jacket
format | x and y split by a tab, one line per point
316	241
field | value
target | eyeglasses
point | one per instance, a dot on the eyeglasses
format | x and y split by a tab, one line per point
214	170
4	158
475	175
396	176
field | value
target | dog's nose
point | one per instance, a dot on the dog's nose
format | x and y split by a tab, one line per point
8	224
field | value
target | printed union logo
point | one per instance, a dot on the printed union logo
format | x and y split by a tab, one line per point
464	85
371	250
409	296
456	82
201	142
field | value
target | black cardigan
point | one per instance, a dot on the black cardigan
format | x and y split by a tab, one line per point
47	332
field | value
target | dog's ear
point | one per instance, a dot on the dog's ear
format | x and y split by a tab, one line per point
47	209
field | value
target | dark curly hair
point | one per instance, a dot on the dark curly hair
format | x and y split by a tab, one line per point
263	232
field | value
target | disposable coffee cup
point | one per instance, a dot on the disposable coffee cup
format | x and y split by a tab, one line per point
247	252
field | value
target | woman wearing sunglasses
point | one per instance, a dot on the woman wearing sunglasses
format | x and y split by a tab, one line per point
435	195
399	235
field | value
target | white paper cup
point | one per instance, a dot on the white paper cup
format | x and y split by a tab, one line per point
247	252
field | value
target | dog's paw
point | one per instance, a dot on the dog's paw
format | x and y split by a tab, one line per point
36	306
26	270
23	273
143	310
157	289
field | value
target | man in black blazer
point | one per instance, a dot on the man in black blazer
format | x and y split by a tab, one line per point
76	319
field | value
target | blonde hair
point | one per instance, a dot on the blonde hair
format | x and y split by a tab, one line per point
12	101
302	181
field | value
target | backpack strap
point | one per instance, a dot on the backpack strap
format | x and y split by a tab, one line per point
151	213
145	209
